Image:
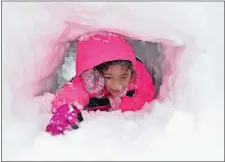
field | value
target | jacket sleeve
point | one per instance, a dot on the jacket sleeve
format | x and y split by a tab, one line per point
71	93
144	91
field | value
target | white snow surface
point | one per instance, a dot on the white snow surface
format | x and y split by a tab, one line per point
188	125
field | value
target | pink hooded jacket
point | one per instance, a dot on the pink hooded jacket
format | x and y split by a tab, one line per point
94	49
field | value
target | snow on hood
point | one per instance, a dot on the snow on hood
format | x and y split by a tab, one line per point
96	48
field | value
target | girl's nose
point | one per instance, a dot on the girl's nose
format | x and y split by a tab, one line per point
117	87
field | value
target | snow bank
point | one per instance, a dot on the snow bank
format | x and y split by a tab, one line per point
188	125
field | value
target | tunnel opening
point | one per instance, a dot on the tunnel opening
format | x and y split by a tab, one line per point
57	64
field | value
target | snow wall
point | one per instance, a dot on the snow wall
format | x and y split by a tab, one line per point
187	123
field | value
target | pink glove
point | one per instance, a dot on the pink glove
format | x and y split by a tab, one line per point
66	117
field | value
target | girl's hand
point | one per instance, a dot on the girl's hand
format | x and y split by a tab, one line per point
66	117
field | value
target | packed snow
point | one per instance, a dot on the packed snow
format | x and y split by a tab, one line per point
186	125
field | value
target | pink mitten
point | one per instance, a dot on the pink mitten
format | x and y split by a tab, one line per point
65	118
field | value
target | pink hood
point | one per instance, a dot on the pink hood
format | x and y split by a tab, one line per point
99	48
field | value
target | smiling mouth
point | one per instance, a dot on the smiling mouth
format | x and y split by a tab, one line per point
115	92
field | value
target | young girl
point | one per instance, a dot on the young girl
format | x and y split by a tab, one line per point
108	77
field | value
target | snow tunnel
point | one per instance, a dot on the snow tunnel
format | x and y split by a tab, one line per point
181	44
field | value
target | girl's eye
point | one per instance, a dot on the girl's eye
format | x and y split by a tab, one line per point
107	77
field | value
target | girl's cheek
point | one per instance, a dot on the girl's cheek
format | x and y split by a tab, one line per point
107	84
126	84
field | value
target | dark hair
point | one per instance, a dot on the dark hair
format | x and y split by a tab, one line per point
124	63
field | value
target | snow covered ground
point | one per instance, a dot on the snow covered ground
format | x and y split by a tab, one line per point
188	125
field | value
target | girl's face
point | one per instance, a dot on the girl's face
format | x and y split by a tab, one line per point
117	79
